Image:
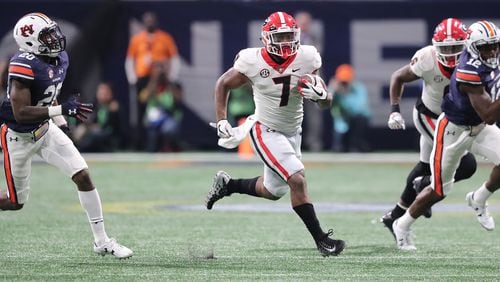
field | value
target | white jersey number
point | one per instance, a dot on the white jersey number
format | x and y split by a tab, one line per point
50	94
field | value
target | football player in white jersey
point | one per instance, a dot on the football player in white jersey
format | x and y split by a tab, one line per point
274	72
434	65
467	123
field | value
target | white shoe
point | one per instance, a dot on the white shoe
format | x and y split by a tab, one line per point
482	214
404	238
113	248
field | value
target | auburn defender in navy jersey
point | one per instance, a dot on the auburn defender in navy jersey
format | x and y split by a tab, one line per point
32	120
434	65
467	123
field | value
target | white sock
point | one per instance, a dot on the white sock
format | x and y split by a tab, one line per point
91	203
481	195
405	221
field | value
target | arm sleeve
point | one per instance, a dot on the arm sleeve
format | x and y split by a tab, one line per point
21	70
170	45
132	48
468	75
317	62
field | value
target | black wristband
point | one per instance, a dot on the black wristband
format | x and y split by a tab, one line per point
395	108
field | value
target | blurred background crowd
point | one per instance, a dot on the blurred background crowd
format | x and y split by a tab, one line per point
150	67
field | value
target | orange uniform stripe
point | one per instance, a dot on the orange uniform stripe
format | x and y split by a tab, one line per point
21	70
41	15
438	156
467	76
491	31
7	168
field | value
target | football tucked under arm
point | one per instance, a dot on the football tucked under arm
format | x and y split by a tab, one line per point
312	87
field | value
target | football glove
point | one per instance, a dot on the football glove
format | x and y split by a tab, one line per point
73	108
224	129
312	92
396	121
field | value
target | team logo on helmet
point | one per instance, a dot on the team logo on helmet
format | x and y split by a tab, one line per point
38	34
27	30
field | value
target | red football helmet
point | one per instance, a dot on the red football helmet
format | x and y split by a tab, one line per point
449	40
281	35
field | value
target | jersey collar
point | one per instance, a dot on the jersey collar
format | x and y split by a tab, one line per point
445	71
278	67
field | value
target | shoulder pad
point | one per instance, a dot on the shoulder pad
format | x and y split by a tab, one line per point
311	54
246	59
469	72
424	60
22	66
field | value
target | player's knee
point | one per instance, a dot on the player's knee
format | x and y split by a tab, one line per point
419	170
82	180
297	180
467	167
435	196
276	193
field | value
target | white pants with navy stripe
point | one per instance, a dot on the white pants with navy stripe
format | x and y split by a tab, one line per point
281	156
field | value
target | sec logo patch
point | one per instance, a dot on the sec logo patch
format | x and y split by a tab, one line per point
264	73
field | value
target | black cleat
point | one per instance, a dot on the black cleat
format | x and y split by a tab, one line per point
328	246
418	185
387	220
219	189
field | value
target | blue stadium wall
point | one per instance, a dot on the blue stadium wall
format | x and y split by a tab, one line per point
376	37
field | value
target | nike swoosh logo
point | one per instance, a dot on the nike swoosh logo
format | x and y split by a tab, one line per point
331	249
294	70
320	94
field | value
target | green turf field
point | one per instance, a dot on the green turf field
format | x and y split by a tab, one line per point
154	206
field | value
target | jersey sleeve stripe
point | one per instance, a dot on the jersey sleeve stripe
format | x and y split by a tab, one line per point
19	70
20	64
467	77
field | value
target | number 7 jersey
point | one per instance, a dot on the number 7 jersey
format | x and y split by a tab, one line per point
43	79
278	105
